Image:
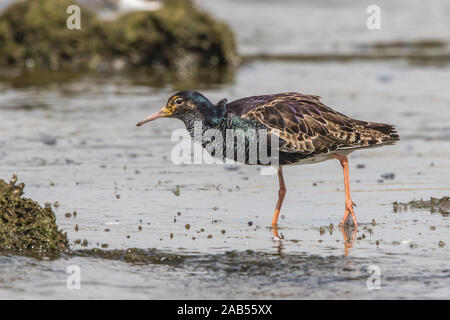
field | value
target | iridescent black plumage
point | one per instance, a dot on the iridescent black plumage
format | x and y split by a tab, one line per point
305	126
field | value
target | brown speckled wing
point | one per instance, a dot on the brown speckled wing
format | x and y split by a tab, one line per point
309	127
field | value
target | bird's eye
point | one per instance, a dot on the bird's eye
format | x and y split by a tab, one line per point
179	101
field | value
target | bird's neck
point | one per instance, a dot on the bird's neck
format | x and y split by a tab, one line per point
196	124
205	116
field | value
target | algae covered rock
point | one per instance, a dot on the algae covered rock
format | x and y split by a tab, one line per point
34	34
177	36
27	228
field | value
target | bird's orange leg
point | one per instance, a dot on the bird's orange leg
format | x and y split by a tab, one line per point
348	200
281	194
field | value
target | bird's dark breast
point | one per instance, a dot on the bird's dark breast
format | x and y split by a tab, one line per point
244	141
250	142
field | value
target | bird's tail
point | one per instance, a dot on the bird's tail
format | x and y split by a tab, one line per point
374	134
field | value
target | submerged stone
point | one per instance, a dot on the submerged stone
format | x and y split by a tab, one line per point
25	227
133	255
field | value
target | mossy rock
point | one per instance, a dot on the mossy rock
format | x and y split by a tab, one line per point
177	36
25	227
34	34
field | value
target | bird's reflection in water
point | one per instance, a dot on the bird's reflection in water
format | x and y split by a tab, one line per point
348	233
279	239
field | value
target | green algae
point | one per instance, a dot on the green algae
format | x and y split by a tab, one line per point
25	227
133	256
434	205
33	35
416	45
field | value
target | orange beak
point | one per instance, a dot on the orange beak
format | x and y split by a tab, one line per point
164	112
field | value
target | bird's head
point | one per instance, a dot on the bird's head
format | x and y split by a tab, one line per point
183	103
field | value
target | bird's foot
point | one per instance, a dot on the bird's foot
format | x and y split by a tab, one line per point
349	210
276	235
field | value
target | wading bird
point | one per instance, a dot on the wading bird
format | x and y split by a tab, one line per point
307	130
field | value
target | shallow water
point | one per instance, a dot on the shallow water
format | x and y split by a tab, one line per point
328	26
75	141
